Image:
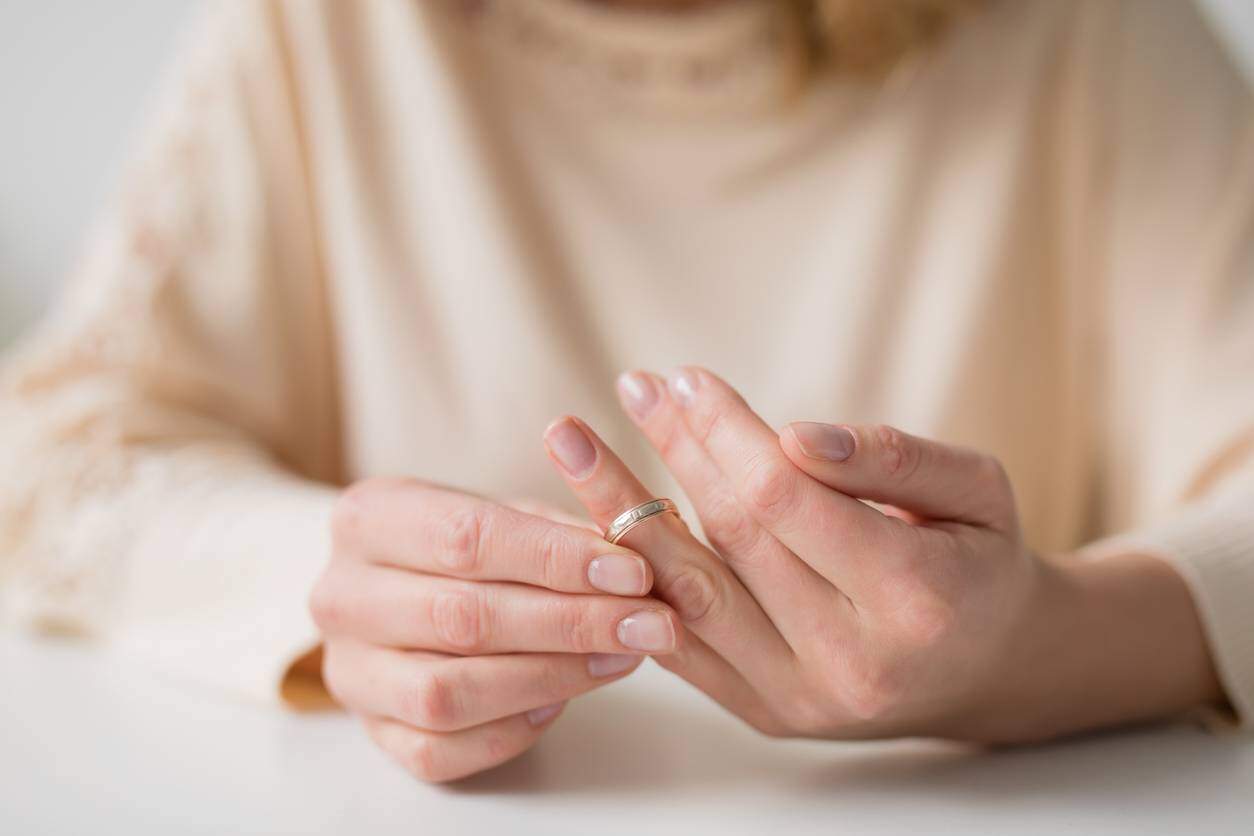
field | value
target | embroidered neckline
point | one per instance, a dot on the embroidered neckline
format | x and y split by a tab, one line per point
727	57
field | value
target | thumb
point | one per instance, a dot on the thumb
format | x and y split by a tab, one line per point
883	464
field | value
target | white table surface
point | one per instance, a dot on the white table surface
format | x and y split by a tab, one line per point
90	744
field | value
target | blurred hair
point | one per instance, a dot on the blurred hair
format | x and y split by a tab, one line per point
870	37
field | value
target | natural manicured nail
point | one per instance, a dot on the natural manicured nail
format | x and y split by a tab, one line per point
683	386
826	442
618	574
540	716
648	630
608	664
637	393
571	447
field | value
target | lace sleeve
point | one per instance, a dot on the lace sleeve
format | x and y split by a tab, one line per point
168	436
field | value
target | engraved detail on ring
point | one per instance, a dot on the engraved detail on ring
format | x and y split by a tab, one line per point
632	517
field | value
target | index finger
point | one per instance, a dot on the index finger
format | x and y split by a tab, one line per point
409	524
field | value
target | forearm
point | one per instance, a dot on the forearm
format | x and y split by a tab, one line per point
1108	642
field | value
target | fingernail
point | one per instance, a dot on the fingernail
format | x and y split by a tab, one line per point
637	393
618	574
608	664
647	630
571	447
540	716
826	442
683	386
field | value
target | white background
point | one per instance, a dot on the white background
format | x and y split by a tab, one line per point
90	744
74	77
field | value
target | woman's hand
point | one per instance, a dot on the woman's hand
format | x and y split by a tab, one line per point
926	616
458	628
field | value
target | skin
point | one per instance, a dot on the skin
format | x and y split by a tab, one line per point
457	627
928	617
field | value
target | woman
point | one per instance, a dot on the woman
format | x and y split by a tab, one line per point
398	237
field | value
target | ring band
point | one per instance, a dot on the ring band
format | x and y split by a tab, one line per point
632	517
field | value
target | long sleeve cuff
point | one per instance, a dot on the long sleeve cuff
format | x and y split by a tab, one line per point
1211	544
217	588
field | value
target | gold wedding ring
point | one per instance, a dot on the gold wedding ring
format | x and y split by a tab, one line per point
632	517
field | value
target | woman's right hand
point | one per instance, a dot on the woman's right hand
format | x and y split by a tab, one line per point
457	628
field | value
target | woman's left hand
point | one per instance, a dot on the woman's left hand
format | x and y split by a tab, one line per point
822	615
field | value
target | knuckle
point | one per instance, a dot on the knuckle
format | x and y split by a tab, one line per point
994	472
462	540
704	417
728	528
769	485
458	620
899	457
692	592
325	604
556	552
871	688
431	703
993	475
926	620
916	604
667	439
578	626
350	512
424	760
498	746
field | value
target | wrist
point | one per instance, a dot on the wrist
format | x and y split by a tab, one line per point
1101	643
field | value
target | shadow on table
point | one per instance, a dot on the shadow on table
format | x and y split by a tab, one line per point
624	744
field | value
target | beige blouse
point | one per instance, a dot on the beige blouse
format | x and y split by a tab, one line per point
399	237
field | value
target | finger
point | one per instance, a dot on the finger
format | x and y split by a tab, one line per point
447	693
931	479
789	591
703	591
845	540
698	664
539	508
412	525
438	757
402	609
